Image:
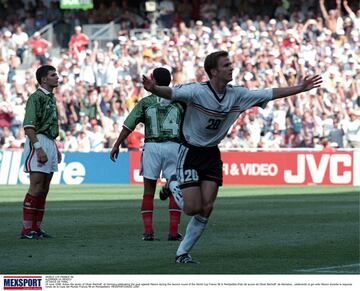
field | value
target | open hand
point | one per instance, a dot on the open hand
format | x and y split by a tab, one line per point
311	82
42	158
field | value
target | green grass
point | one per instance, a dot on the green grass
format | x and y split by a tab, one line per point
253	230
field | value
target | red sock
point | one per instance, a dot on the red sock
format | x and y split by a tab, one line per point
147	208
29	212
40	211
174	213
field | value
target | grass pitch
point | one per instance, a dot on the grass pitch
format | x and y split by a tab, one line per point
253	230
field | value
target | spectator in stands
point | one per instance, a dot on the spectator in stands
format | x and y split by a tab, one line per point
257	43
83	142
19	141
232	141
112	135
352	131
96	136
254	127
6	116
4	72
291	139
6	45
87	69
39	47
208	11
78	43
336	134
166	8
5	137
70	143
274	138
332	18
326	146
307	142
20	39
279	116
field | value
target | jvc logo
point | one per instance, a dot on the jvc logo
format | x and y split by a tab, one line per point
342	168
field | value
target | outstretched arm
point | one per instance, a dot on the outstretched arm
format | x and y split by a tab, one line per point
307	84
161	91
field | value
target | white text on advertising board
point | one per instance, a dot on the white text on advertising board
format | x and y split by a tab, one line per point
317	172
12	171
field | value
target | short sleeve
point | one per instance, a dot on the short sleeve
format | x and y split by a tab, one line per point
30	113
184	92
135	116
251	98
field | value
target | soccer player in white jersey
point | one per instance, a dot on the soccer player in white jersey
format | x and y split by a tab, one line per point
162	137
212	107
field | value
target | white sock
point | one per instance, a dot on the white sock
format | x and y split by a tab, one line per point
194	230
176	192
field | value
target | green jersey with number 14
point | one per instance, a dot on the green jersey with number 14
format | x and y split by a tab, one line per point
161	118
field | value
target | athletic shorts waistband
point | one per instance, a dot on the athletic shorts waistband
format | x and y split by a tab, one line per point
190	146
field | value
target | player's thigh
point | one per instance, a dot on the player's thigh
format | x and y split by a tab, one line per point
31	160
209	191
150	165
186	167
169	158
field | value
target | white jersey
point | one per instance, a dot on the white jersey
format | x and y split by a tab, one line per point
208	117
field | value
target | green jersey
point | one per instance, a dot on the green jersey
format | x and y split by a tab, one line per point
161	119
41	114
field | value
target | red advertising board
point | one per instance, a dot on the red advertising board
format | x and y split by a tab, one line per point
135	177
290	168
281	168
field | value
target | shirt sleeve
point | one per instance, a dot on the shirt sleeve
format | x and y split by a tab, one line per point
251	98
30	113
135	116
184	92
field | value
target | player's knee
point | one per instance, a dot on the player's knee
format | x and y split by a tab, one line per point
206	209
37	189
193	210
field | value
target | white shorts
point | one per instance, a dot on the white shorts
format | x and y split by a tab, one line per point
159	157
31	164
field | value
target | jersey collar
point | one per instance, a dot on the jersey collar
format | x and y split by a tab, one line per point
45	91
214	92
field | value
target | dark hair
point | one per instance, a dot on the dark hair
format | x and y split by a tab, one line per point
43	71
211	61
162	76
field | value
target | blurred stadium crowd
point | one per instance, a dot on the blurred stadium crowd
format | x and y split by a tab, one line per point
271	44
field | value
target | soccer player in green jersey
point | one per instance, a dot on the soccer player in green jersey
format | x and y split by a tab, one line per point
162	127
40	151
